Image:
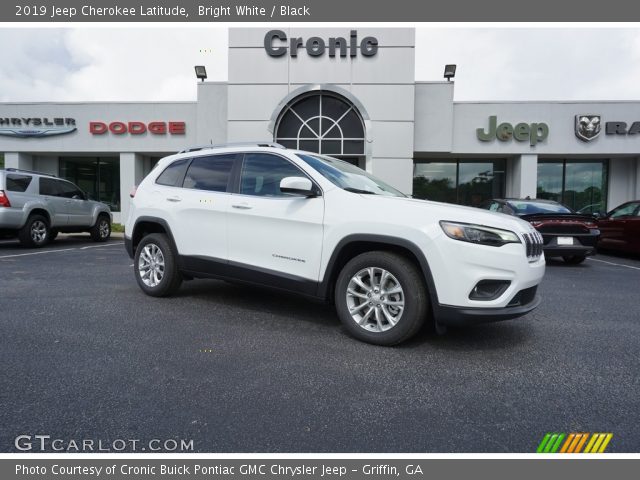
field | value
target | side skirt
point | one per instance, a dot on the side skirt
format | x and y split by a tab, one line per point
207	267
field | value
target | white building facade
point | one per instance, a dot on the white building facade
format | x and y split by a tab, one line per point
351	93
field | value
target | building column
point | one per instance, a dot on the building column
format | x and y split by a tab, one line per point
522	177
23	161
397	172
131	174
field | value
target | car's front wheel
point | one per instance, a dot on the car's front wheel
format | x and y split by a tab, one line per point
155	266
381	298
101	231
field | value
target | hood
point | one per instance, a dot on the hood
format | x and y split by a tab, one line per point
428	211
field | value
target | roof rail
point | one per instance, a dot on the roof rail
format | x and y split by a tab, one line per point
11	169
233	144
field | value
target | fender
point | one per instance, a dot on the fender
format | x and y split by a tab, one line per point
131	246
325	285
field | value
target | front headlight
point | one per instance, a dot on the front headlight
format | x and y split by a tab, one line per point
479	234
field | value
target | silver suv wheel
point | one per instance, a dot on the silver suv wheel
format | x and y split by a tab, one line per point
151	265
38	232
375	299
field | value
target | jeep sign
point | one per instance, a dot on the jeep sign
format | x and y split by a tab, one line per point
521	132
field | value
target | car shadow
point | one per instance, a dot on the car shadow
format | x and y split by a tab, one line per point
492	336
63	241
261	300
558	262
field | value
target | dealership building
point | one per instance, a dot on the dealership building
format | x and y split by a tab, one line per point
349	93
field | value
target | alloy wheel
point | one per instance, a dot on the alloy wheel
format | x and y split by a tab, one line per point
151	265
375	299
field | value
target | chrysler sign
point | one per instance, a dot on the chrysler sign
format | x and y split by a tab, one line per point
26	127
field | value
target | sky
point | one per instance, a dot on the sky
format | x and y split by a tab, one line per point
147	64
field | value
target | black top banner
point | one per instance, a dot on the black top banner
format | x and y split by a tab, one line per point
319	11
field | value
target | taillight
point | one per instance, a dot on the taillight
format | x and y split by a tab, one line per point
133	191
4	200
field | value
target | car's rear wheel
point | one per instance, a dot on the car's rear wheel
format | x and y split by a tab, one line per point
35	233
155	266
101	231
381	298
574	259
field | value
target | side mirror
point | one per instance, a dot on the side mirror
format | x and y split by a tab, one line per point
298	186
599	214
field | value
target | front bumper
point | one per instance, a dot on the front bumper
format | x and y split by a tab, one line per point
583	244
463	316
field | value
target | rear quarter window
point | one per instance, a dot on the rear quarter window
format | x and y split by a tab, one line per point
18	183
172	175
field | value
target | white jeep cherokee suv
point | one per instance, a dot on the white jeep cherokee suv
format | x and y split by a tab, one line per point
312	224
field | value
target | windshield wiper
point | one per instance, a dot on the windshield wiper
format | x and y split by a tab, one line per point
357	190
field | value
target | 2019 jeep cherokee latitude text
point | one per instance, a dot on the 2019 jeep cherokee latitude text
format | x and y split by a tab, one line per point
312	224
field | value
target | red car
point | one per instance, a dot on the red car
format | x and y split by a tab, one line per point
620	228
566	234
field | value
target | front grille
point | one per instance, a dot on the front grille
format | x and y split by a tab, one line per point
533	243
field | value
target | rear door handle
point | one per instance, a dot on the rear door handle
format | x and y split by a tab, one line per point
242	206
174	199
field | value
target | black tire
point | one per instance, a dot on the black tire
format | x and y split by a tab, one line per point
101	231
574	259
416	299
171	278
35	233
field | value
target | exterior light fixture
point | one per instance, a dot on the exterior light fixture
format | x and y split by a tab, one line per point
449	72
201	72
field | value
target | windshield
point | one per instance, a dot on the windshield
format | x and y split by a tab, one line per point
349	177
531	208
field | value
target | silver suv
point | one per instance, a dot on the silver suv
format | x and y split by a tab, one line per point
35	207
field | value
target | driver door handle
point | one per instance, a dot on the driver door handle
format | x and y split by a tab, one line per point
174	199
242	206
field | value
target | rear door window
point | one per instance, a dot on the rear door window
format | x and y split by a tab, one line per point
49	186
18	183
210	173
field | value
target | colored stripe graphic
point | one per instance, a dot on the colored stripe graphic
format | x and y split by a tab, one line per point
554	442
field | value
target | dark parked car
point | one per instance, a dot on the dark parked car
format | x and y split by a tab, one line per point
566	234
620	228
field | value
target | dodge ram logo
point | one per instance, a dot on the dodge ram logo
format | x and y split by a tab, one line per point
587	127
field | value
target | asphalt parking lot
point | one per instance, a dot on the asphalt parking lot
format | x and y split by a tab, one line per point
85	355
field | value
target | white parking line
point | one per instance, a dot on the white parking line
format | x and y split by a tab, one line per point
99	246
612	263
55	251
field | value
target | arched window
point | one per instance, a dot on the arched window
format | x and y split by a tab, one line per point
322	122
